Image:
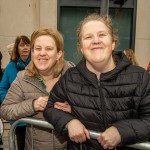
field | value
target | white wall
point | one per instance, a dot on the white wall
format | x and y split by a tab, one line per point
142	42
22	17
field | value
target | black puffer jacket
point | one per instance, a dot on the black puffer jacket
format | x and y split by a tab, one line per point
121	98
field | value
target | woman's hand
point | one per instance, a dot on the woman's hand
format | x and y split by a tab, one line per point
110	138
40	103
77	131
63	106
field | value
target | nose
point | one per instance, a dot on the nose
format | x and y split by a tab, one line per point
43	51
96	39
26	46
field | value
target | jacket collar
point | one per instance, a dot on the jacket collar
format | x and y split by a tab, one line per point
35	82
121	63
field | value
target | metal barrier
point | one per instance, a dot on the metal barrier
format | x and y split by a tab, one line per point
45	124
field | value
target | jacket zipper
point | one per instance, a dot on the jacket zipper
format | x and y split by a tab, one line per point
103	104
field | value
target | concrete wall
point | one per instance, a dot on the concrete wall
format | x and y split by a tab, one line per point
23	16
142	42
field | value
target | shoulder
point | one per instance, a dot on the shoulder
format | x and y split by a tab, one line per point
21	74
67	65
11	65
136	69
138	74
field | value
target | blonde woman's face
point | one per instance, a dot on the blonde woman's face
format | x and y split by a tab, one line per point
96	42
45	54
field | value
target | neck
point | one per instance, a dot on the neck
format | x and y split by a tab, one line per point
47	77
102	67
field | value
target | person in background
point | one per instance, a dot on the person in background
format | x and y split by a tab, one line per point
1	124
131	56
28	94
1	70
111	98
10	48
148	67
20	58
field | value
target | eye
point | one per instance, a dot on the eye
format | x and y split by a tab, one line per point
102	34
22	44
48	48
88	37
37	49
27	45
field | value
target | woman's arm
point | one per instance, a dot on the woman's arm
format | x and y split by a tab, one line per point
57	117
137	129
15	106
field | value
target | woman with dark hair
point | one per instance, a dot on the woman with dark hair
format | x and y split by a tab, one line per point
1	71
1	125
19	60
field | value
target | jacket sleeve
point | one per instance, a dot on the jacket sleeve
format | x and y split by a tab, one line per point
4	84
15	106
138	129
54	116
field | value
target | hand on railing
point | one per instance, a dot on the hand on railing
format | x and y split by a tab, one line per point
45	124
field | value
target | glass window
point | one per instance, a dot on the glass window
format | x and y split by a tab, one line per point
70	14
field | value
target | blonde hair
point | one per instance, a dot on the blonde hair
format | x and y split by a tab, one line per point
96	17
131	56
10	48
58	38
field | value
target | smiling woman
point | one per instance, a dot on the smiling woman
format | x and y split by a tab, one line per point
45	56
33	86
105	96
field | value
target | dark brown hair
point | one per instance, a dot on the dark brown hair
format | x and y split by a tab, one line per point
15	54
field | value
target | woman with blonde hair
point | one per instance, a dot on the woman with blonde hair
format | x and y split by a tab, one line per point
33	85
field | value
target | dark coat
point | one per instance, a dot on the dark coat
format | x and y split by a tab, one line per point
120	98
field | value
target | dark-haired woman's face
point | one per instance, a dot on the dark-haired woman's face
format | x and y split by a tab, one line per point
24	50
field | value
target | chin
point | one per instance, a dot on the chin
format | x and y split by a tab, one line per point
98	60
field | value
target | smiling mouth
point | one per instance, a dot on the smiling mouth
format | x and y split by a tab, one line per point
97	48
42	60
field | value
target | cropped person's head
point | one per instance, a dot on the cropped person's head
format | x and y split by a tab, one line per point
131	56
47	51
10	48
1	56
21	48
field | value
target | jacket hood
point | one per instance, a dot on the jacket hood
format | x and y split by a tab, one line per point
121	63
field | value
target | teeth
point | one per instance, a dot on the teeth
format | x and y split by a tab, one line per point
43	60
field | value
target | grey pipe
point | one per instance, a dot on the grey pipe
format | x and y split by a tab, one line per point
104	9
45	124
